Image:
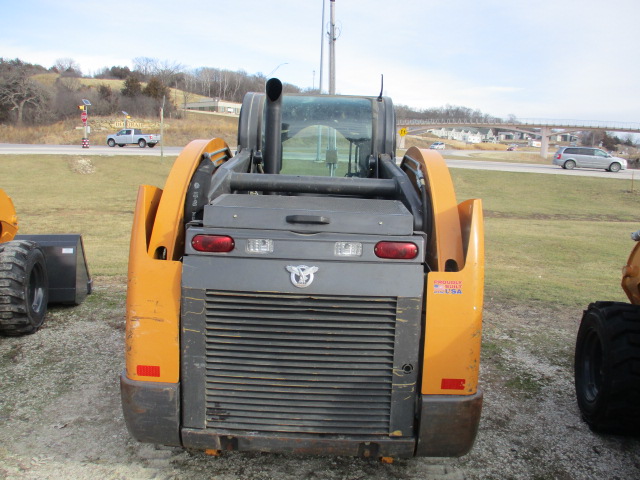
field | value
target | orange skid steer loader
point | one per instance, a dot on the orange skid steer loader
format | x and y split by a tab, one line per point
308	294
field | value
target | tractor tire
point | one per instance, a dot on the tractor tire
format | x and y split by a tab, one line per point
607	367
24	287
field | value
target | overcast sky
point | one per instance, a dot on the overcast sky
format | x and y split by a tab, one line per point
546	59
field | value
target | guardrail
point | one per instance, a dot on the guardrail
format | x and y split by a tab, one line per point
528	122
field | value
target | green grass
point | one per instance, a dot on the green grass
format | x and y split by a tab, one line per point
500	156
51	195
551	239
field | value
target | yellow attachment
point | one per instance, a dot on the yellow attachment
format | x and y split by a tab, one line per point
445	244
631	276
453	324
8	218
153	291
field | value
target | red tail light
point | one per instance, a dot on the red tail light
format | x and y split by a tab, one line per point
213	243
396	250
559	156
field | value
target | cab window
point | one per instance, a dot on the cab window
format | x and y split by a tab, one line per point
326	135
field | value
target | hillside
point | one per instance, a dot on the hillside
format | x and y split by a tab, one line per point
177	131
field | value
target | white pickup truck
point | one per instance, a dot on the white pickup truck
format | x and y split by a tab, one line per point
129	136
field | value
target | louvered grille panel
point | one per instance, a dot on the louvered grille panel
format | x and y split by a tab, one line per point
299	364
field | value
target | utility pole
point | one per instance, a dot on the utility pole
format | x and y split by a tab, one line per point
332	49
321	48
162	129
318	158
332	148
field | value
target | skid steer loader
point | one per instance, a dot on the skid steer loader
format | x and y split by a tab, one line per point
607	357
36	270
307	294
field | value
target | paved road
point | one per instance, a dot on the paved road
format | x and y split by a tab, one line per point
14	149
538	168
6	148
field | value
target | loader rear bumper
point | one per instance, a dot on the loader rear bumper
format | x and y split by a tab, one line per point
365	447
448	424
151	410
448	427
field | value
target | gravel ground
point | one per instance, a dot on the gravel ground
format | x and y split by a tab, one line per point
60	414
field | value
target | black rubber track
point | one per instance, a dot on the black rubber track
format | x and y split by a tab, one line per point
23	287
607	367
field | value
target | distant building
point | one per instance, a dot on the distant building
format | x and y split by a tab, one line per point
464	134
564	137
215	105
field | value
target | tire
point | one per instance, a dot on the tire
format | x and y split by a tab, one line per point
569	165
607	367
111	142
151	145
615	167
142	143
24	287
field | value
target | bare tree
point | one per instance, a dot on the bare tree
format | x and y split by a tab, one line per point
224	83
19	92
169	72
206	78
145	66
67	67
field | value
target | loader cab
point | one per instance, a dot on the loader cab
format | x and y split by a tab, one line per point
318	135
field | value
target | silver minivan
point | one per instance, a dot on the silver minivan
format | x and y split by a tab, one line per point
588	157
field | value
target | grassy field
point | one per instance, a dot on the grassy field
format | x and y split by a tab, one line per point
549	238
520	156
91	195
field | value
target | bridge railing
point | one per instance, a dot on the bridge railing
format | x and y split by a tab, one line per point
528	122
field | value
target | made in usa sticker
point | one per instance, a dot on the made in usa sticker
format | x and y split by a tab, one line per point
447	287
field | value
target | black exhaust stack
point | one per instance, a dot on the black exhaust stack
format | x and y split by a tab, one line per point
272	153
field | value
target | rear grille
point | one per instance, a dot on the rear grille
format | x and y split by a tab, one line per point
299	364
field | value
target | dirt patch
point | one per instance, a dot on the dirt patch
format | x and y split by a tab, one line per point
60	414
81	165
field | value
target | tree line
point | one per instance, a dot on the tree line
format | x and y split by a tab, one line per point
153	84
150	85
25	99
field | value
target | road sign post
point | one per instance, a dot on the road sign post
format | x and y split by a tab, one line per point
402	133
84	116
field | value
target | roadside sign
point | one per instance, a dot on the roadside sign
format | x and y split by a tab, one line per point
403	132
83	116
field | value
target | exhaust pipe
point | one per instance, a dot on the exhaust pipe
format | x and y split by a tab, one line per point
272	154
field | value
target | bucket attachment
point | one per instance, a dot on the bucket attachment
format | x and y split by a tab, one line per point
69	278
